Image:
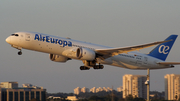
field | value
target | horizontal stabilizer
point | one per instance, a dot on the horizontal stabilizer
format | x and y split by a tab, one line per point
169	63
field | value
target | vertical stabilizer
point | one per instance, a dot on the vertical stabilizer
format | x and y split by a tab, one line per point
161	51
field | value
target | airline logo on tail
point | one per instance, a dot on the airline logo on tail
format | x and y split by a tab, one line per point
164	49
161	51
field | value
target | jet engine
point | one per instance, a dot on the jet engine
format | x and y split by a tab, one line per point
80	53
58	58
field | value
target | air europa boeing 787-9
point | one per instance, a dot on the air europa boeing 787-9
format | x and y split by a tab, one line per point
93	55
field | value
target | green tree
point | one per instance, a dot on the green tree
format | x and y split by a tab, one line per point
121	99
83	100
34	99
129	98
96	98
138	99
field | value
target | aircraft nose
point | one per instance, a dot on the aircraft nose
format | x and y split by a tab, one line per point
8	40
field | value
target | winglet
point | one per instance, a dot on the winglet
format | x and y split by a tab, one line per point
161	51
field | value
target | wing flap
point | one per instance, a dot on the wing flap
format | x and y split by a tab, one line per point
116	51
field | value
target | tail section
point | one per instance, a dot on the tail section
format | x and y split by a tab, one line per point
161	51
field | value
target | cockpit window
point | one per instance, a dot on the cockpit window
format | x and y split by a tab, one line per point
14	35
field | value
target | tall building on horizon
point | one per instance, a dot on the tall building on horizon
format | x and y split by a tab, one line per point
84	90
77	90
99	89
172	86
134	85
93	90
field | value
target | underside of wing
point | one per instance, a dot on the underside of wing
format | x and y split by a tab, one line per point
169	63
116	51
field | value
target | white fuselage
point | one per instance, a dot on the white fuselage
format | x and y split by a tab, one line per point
56	45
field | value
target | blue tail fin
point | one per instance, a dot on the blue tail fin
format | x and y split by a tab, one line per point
161	51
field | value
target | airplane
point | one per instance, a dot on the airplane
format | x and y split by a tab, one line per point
92	55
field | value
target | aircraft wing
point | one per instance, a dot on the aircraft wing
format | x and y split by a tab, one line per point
116	51
169	63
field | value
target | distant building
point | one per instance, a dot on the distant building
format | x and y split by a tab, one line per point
109	89
52	97
22	94
172	86
77	90
134	85
93	90
9	85
99	89
27	85
84	90
120	89
105	89
72	98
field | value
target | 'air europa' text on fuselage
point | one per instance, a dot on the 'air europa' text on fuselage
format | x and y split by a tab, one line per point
48	39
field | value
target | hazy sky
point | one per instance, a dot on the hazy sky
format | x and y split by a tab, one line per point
116	23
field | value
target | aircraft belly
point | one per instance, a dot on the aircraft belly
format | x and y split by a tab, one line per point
133	63
125	62
120	62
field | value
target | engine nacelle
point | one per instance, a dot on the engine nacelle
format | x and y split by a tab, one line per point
88	54
58	58
80	53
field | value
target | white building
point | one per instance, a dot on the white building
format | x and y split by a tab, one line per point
84	90
9	85
80	90
52	97
77	90
93	90
120	89
109	89
28	85
105	89
99	89
134	85
172	86
72	98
